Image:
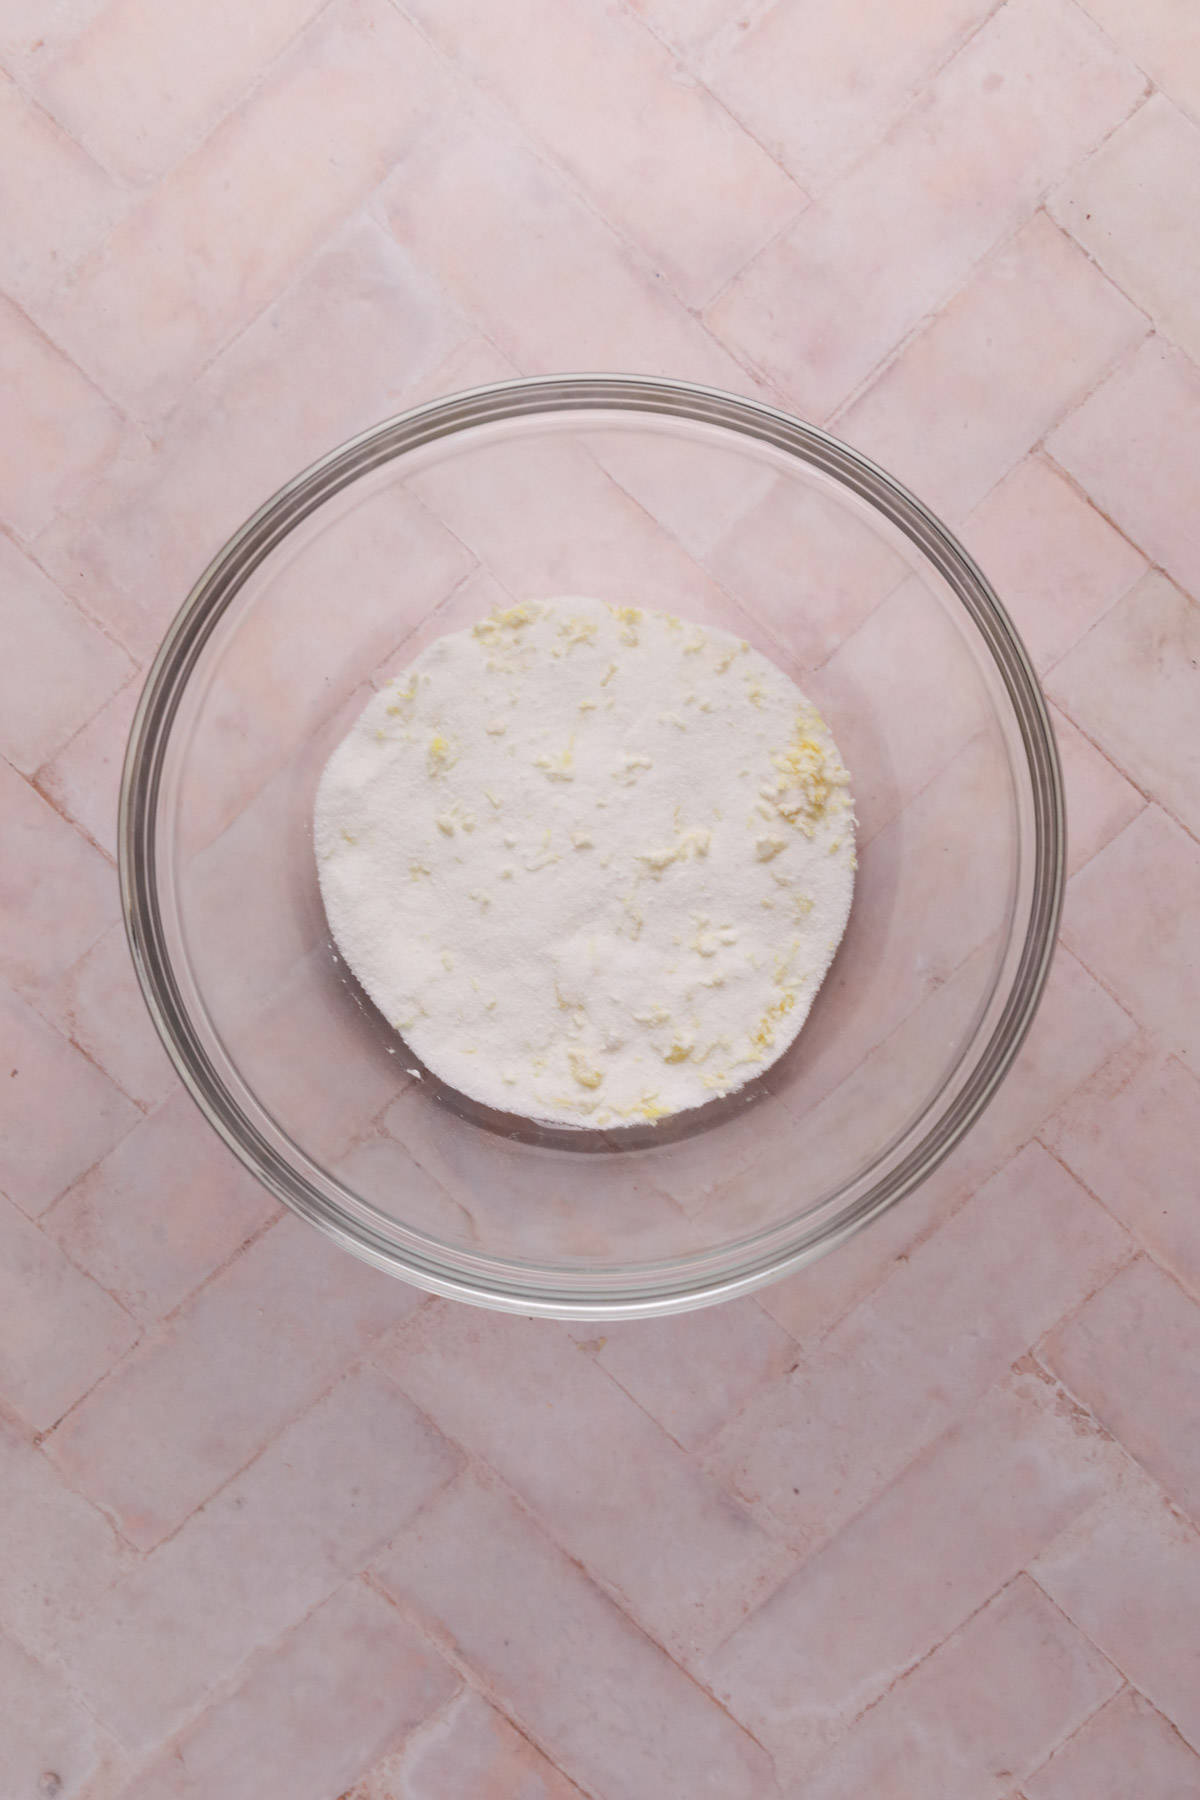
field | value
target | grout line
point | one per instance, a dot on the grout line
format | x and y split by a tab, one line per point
701	79
122	414
482	1470
653	279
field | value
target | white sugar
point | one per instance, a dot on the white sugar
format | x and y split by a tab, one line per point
592	862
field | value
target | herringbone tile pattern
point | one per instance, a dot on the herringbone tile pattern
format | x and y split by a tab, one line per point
924	1521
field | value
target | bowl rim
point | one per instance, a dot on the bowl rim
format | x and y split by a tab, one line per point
491	1281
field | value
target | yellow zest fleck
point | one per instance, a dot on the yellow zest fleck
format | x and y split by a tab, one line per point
608	674
692	843
558	768
403	695
447	961
767	847
629	618
764	1036
654	1015
649	1107
808	779
510	618
585	1074
441	755
577	631
631	766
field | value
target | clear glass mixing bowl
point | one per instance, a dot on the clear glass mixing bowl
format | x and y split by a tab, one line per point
665	495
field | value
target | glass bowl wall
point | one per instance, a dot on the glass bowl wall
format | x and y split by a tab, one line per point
664	495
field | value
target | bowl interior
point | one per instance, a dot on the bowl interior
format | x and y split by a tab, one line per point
336	594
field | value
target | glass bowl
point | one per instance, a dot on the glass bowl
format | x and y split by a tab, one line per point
660	494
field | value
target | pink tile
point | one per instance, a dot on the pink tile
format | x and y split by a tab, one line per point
890	241
627	1721
83	781
372	330
59	669
526	1200
1162	36
591	1464
576	297
988	1705
1056	563
1076	1028
182	272
139	87
604	97
1132	444
297	657
250	902
808	567
180	1418
1155	970
1132	1354
698	489
910	1360
1129	1134
1127	205
689	25
381	1172
161	1212
49	1742
810	90
1125	1748
1100	802
55	202
975	389
469	1748
903	694
313	1509
59	427
857	1616
324	1101
508	510
58	1112
689	1170
57	1553
312	1711
468	601
902	943
57	893
1128	1574
100	1006
1133	684
32	31
59	1332
693	1372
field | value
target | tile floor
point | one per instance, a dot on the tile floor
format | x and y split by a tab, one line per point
935	1531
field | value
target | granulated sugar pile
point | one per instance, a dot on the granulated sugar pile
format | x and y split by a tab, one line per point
592	862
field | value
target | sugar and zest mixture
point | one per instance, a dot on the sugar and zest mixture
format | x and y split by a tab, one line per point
592	862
